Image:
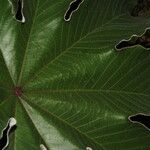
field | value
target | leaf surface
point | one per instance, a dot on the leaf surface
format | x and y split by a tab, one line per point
77	91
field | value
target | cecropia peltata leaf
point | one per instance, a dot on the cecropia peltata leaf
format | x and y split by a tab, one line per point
64	82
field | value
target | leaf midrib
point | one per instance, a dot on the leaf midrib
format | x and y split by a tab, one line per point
13	81
31	28
86	91
55	116
66	50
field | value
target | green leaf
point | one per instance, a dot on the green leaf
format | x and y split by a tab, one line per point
75	90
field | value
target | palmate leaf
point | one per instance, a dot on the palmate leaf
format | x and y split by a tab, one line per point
77	90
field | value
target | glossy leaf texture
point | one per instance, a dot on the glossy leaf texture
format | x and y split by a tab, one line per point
78	91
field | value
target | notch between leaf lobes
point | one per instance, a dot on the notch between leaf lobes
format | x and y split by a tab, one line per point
142	119
4	141
143	40
74	6
17	10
